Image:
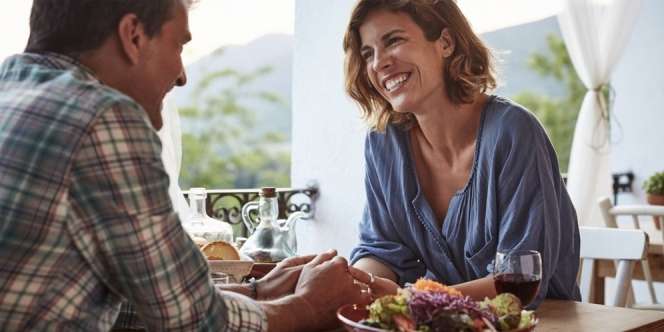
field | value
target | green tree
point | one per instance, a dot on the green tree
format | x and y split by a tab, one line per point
221	147
558	115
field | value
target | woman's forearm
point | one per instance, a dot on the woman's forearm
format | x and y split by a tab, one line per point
375	267
478	289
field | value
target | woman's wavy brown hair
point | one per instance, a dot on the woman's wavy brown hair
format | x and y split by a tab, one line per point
467	71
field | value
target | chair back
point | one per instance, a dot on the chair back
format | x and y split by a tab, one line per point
626	246
610	213
637	213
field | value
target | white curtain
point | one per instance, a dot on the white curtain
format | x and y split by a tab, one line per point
171	154
595	33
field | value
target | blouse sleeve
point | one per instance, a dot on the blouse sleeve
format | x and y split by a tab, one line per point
534	210
379	238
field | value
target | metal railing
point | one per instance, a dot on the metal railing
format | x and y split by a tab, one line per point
226	204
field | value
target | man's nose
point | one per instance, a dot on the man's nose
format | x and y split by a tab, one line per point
182	79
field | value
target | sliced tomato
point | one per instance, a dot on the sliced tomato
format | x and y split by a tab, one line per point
404	323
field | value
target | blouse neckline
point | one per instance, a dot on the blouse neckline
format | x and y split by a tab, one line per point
419	200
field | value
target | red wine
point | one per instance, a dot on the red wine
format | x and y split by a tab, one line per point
523	286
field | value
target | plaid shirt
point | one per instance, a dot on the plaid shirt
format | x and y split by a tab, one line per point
85	216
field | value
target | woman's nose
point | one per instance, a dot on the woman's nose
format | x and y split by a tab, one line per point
381	61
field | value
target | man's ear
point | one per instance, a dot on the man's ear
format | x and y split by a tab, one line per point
447	41
131	34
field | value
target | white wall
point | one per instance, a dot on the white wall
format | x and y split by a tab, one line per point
638	128
328	134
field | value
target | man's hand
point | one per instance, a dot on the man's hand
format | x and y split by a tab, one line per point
379	286
325	285
282	279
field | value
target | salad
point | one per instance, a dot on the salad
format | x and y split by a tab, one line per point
428	306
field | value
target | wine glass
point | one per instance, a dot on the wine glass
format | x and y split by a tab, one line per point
519	273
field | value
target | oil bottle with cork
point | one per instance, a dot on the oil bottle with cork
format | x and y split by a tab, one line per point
273	240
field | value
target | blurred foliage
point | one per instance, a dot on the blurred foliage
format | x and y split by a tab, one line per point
654	185
557	114
220	144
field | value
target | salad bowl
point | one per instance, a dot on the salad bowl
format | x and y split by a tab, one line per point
430	306
351	315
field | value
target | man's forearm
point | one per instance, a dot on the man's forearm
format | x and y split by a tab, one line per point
289	314
243	289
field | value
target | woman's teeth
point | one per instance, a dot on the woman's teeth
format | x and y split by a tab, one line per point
395	82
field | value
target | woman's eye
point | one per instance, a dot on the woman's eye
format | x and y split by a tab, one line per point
393	40
367	56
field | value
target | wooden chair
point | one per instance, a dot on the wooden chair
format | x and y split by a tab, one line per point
636	213
600	243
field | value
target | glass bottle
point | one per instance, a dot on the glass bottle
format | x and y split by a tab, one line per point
268	239
201	225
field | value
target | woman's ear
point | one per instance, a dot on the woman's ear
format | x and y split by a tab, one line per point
132	37
447	41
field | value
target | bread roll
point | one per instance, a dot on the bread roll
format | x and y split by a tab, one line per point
220	250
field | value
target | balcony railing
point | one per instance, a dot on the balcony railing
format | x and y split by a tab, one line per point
226	205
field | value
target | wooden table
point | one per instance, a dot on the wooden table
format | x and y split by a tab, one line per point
556	315
569	316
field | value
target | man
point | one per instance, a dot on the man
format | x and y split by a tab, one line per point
86	220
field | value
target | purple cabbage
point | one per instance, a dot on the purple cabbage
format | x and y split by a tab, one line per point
425	306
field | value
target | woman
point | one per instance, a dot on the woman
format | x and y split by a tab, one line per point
453	175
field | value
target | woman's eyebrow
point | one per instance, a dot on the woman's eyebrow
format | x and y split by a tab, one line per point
391	33
384	38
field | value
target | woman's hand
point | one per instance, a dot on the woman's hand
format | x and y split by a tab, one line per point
379	286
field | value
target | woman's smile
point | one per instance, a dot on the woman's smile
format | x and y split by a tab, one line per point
394	82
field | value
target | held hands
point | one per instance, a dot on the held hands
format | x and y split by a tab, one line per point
282	279
325	284
320	284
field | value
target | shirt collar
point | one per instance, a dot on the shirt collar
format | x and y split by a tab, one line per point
62	62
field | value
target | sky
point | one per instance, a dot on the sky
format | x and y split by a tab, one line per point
220	22
490	15
213	23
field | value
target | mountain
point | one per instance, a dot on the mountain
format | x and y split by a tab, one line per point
512	46
274	51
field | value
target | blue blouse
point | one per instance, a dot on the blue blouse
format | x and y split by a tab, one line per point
515	199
